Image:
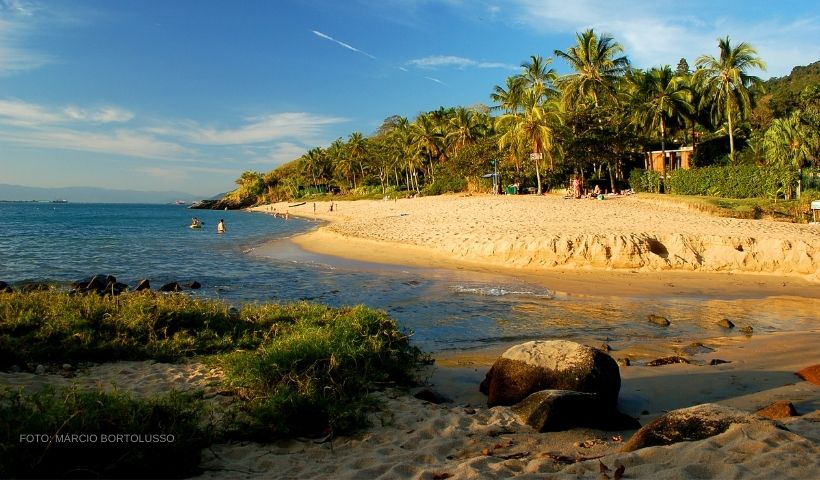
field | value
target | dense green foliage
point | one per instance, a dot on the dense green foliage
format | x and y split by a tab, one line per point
85	434
597	122
741	181
295	369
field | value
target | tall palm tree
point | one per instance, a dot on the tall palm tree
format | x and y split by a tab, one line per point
427	140
597	68
788	142
536	71
465	127
659	100
535	126
727	82
508	99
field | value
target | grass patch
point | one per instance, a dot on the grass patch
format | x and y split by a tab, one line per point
796	211
84	434
294	369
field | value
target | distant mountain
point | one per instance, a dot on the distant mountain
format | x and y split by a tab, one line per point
90	195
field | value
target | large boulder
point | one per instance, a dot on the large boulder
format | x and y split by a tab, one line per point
688	424
558	410
551	365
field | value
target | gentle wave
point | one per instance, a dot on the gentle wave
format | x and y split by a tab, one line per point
489	291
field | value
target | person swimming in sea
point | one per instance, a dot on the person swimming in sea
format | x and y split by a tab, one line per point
220	227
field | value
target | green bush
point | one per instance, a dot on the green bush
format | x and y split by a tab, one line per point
445	184
641	180
314	378
85	434
741	181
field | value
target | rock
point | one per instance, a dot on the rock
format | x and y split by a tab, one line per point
776	410
558	410
41	369
717	361
624	362
666	361
194	285
5	287
233	313
695	348
658	320
810	374
67	367
35	287
605	348
431	396
747	330
726	323
687	424
551	365
143	284
171	287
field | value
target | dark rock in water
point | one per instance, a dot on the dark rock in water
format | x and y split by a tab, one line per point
605	348
558	410
114	288
777	410
35	287
143	284
171	287
666	361
5	288
687	424
726	323
431	396
717	361
658	320
194	285
551	365
810	374
624	362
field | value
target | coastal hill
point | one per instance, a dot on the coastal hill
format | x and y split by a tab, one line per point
90	195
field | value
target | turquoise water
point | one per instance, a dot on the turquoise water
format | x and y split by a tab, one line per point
446	310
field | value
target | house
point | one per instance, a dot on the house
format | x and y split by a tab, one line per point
675	159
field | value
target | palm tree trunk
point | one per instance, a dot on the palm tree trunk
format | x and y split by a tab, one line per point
731	136
537	170
663	151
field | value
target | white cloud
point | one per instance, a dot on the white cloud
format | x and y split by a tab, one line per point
17	23
304	126
345	45
452	61
102	115
659	33
432	79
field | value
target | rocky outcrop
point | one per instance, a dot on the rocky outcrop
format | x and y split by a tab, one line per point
810	374
551	365
558	410
224	204
777	410
99	284
688	424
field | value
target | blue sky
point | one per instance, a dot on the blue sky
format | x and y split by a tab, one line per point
188	94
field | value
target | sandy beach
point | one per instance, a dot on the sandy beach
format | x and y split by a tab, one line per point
570	245
622	245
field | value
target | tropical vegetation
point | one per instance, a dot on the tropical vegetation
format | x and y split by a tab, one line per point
596	122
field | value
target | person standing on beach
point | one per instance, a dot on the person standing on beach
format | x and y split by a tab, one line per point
220	227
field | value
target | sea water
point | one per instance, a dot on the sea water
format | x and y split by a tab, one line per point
446	310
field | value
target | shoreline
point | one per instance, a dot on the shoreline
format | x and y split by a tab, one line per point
455	233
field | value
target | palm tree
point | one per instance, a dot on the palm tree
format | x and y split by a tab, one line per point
465	127
427	140
509	99
535	126
536	72
788	142
660	99
727	82
597	69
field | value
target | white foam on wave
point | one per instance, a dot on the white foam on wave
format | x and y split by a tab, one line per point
489	291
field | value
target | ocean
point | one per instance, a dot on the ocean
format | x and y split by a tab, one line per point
447	311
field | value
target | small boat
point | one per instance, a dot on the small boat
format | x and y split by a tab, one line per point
60	200
180	202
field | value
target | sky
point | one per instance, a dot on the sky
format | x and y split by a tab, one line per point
188	94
